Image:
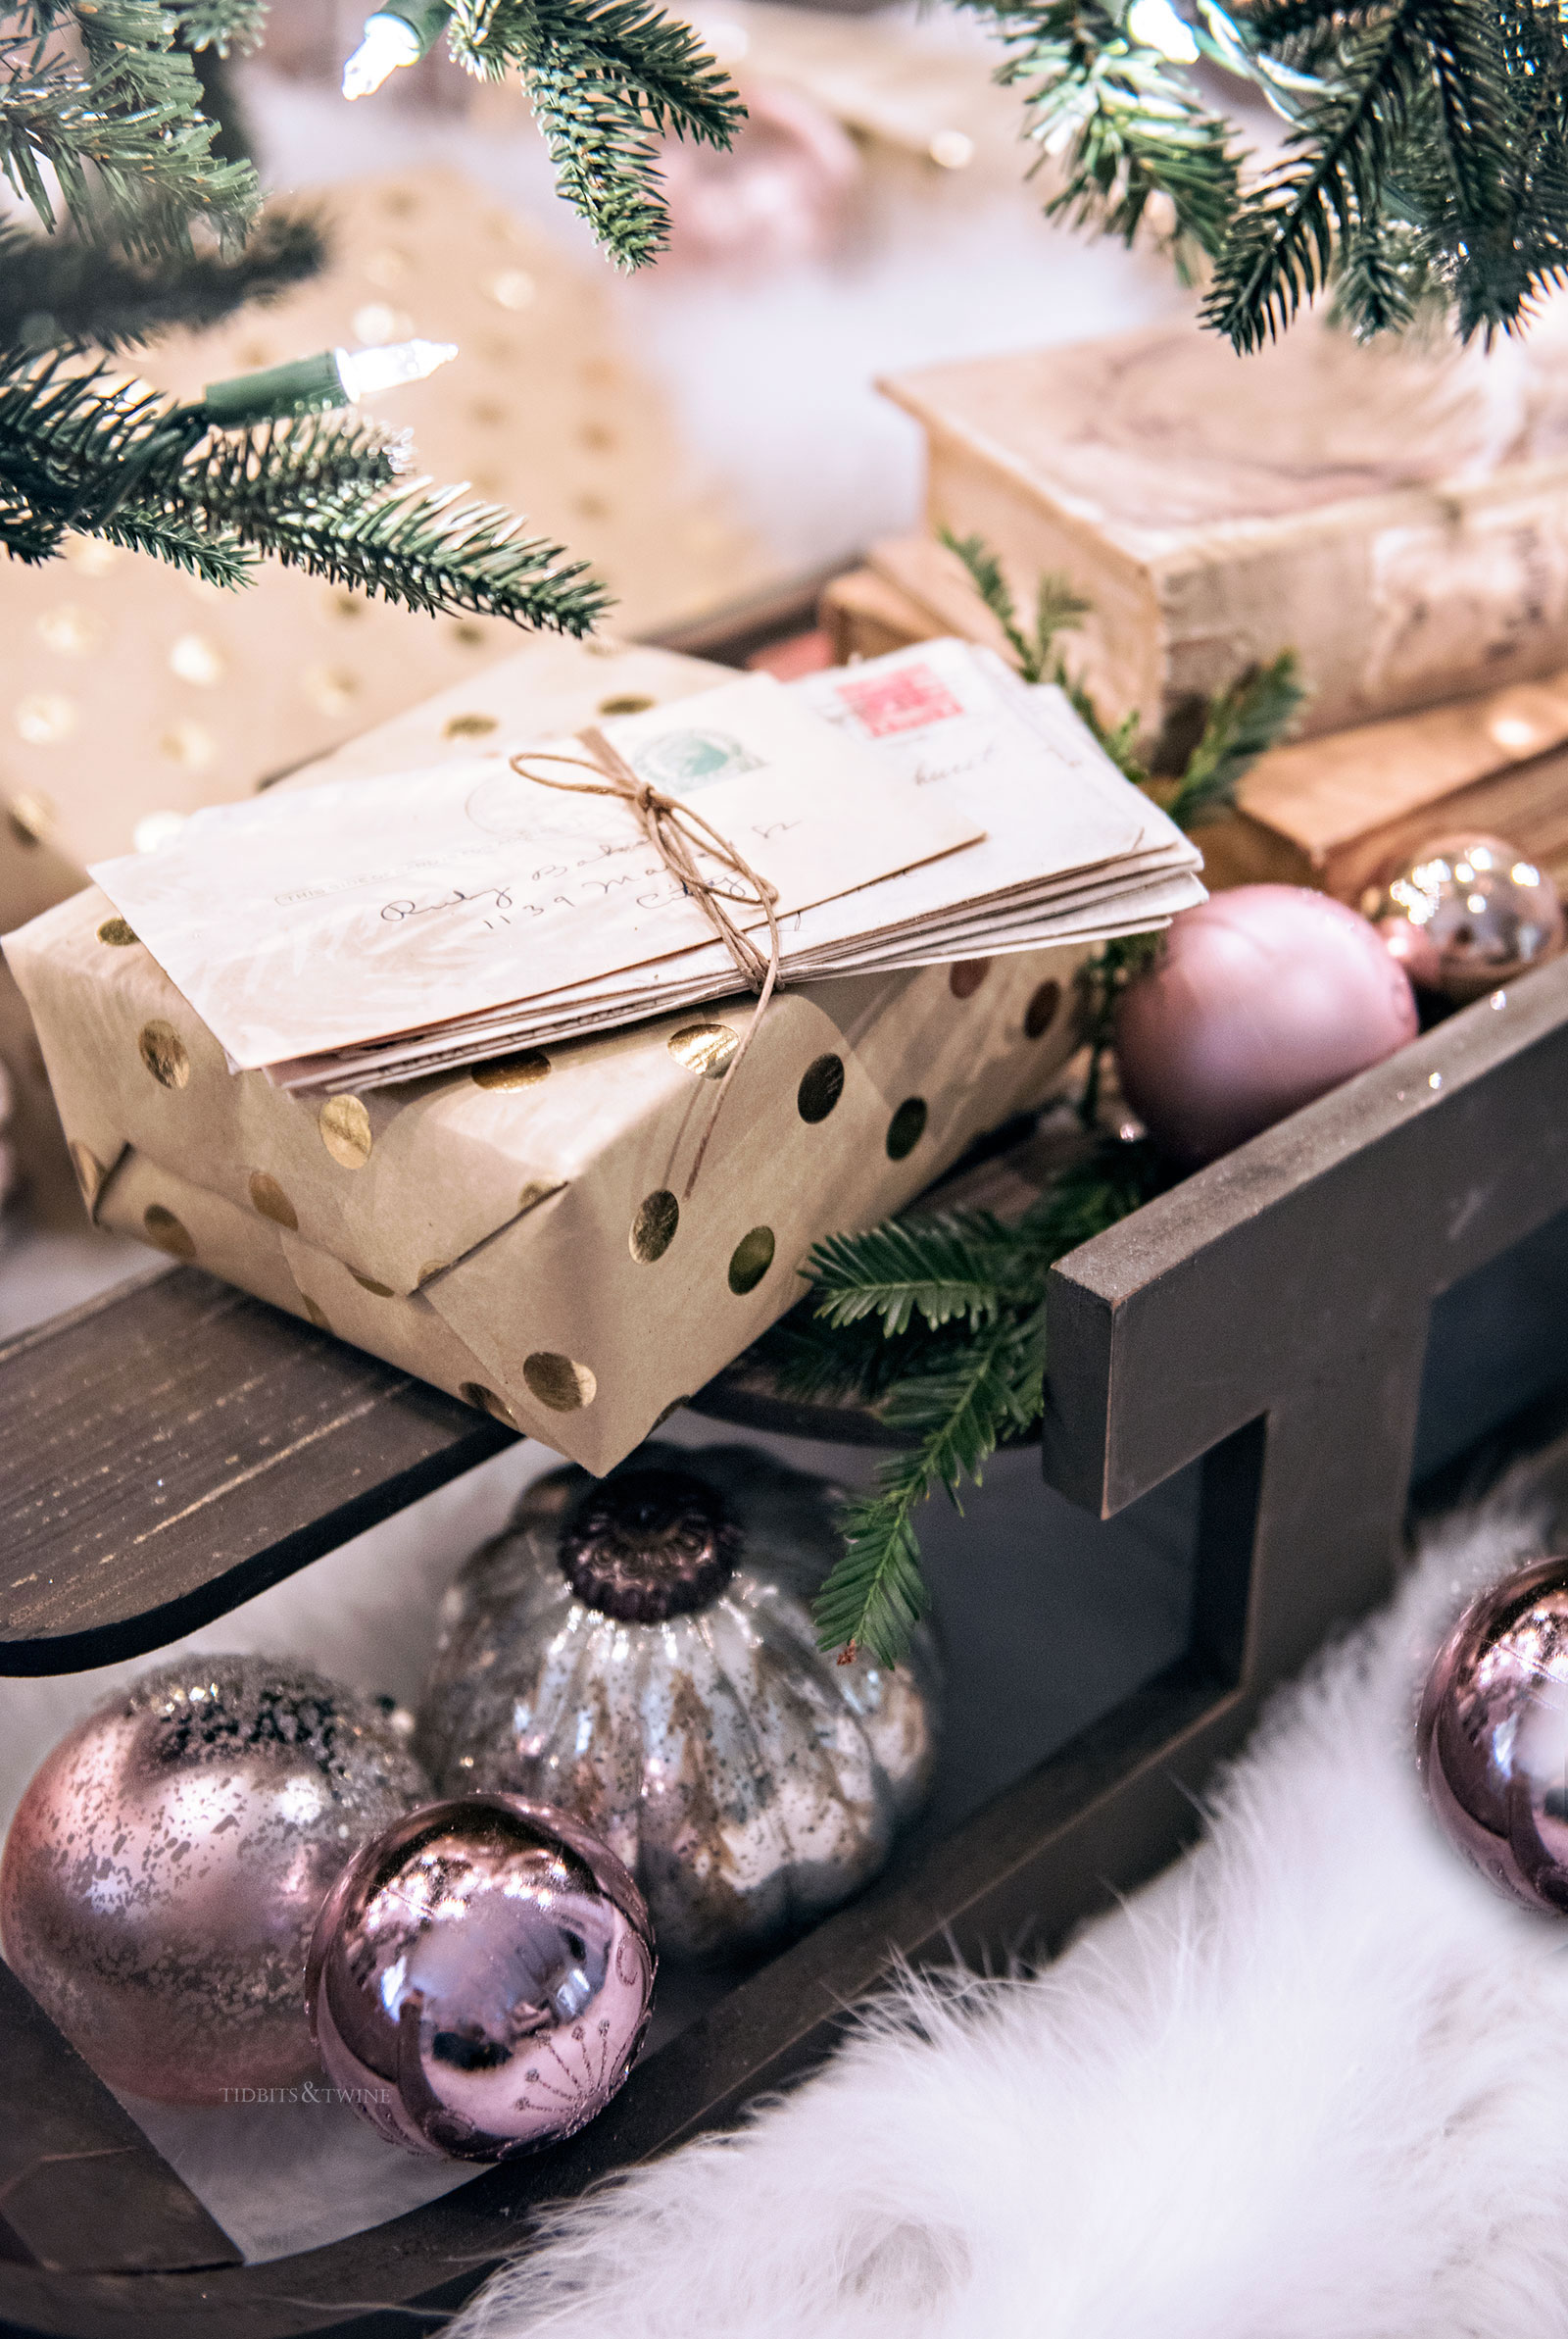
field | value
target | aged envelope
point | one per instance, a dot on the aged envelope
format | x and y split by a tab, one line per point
363	909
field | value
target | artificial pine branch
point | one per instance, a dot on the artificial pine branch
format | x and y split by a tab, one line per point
99	108
1120	121
1058	610
66	291
1281	245
607	78
939	1320
86	451
1427	160
958	1398
231	27
1243	723
942	1270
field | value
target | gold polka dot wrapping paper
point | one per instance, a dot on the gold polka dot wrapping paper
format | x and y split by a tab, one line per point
520	1234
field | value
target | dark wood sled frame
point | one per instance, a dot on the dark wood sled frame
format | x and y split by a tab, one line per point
169	1450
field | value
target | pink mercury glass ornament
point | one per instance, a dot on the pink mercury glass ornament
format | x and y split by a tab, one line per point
480	1978
1492	1738
168	1860
1258	1001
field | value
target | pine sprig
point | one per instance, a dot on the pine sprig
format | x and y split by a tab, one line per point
958	1396
1121	123
1243	723
1059	610
874	1594
100	109
233	27
87	451
940	1269
607	78
65	291
1281	246
1426	163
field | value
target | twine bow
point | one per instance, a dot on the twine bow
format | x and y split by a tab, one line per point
673	830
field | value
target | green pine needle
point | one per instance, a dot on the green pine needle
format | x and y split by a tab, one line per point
940	1269
1120	123
1243	723
606	80
86	451
1057	608
961	1303
874	1594
234	28
1426	163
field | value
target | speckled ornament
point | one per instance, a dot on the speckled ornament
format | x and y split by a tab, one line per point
1257	1001
168	1860
639	1650
1466	913
1492	1737
480	1978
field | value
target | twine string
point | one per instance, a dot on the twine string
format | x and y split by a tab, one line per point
677	834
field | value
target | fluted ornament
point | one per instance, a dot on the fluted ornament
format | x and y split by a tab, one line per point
639	1650
480	1978
169	1858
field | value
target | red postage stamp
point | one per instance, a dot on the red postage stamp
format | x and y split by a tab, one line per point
906	700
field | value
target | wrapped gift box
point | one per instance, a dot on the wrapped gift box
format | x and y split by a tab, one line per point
519	1234
1398	517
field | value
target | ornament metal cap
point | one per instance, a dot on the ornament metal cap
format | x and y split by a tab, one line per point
647	1544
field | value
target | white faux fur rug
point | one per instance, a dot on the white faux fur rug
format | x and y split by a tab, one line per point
1310	2084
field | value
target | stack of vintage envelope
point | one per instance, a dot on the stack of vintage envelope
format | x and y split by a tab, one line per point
919	811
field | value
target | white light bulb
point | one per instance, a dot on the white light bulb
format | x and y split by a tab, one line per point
388	42
364	371
1156	24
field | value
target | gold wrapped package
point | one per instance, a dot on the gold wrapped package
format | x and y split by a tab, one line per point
519	1234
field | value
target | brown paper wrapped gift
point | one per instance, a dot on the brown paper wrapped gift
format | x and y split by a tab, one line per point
520	1234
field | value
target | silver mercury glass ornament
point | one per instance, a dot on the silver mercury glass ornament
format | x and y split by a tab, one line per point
168	1860
480	1978
639	1650
1466	913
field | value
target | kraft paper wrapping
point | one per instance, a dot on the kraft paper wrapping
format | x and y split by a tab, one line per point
513	1233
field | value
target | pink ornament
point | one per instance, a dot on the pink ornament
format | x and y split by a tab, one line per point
1492	1738
777	197
481	1978
1259	1000
168	1860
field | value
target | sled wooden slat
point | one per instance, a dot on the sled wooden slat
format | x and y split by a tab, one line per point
80	2187
174	1447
